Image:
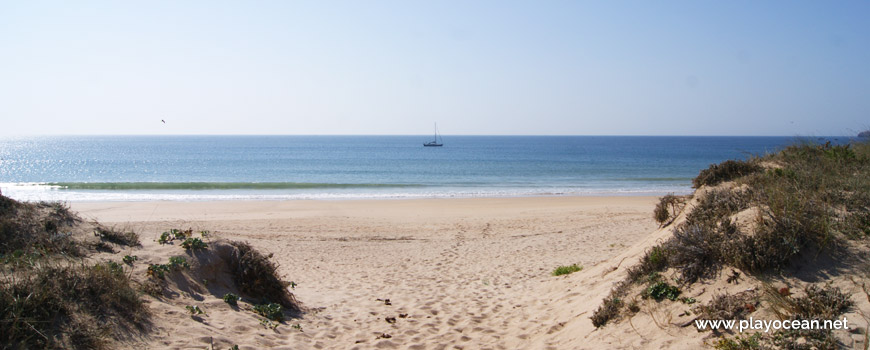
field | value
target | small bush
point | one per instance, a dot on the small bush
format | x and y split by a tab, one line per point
258	277
695	252
177	263
725	171
739	343
654	260
819	303
792	221
662	290
194	310
157	270
667	209
193	244
128	259
181	234
609	310
565	270
730	306
231	299
717	205
165	237
130	239
611	306
271	311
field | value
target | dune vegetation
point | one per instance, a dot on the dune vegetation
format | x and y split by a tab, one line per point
770	221
68	283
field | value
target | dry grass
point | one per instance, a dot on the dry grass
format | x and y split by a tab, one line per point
611	307
725	171
128	238
730	306
42	226
48	299
75	306
818	197
668	208
257	276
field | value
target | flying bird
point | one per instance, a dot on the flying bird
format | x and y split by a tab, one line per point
164	122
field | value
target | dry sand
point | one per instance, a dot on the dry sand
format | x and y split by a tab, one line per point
469	273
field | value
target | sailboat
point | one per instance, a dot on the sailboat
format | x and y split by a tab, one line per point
434	142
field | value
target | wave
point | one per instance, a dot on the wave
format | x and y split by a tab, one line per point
213	185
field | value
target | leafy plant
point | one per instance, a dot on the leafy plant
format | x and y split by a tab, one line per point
565	270
165	237
179	234
268	324
193	244
231	299
129	259
177	263
158	270
195	310
270	311
662	290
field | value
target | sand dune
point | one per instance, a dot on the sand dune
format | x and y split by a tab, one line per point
458	273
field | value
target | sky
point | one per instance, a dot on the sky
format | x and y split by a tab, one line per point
790	68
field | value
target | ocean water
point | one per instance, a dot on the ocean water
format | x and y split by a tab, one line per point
141	168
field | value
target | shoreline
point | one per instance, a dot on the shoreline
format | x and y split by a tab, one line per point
198	196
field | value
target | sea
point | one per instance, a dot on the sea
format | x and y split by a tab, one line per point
198	168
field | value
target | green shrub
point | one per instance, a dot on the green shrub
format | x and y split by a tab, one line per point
565	270
654	260
662	290
157	270
194	310
193	244
177	263
271	311
231	299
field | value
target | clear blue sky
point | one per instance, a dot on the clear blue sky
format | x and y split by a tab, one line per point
475	67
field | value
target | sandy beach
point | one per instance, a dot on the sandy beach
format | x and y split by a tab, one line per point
458	273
